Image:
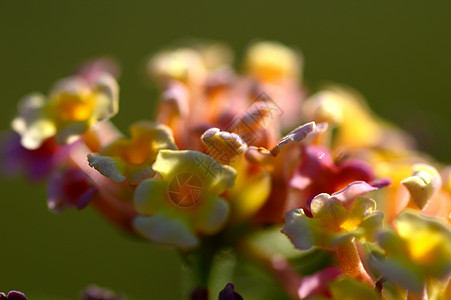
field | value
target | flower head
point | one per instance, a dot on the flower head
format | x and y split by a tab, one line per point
72	108
185	201
335	217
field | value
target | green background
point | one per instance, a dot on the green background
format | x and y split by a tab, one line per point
397	53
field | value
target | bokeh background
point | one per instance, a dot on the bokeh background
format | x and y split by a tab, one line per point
396	54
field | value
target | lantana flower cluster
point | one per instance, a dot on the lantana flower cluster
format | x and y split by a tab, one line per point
250	163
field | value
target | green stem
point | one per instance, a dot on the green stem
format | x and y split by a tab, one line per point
204	261
198	265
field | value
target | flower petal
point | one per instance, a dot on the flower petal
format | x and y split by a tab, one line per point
148	196
106	91
216	177
329	210
297	229
213	217
355	189
317	284
299	134
163	230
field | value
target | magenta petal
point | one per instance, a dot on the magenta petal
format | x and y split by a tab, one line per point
315	160
357	169
352	191
69	187
12	153
35	164
16	160
317	284
381	183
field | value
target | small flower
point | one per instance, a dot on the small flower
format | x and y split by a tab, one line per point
335	218
338	222
272	61
132	159
72	107
359	127
183	64
419	249
185	201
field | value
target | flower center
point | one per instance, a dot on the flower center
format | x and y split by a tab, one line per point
185	190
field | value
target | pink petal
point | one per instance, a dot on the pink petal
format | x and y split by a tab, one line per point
352	191
314	162
317	284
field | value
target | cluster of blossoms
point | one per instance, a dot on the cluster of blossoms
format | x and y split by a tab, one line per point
251	164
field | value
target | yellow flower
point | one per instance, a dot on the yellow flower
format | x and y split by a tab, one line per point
335	217
186	201
132	159
182	64
272	61
418	250
72	108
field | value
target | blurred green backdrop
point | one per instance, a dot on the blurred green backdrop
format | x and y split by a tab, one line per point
396	54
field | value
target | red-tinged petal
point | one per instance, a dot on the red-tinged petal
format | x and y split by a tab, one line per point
317	284
316	164
355	189
354	169
69	187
